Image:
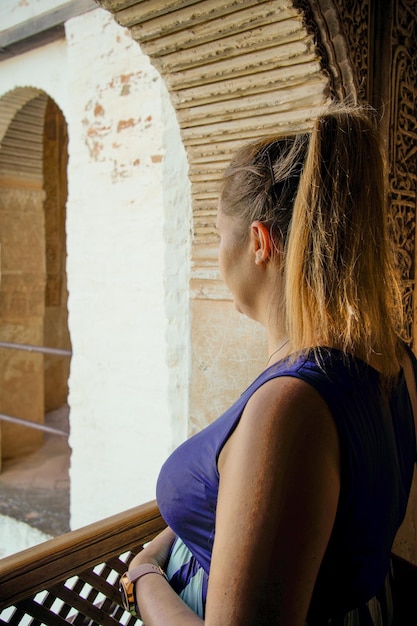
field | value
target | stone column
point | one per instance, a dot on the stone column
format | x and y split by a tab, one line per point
22	305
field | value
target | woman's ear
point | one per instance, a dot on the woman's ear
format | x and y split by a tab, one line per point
261	242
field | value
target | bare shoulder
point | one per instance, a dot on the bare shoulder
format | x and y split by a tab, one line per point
288	395
285	411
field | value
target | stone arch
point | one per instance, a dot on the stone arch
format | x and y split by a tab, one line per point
31	211
12	102
235	70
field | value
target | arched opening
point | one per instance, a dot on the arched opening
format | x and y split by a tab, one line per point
22	288
34	337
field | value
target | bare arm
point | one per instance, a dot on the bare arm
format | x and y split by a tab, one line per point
278	496
157	551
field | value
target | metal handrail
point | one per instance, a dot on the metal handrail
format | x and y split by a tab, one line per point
30	348
23	422
19	420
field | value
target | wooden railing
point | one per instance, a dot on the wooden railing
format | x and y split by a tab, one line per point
73	578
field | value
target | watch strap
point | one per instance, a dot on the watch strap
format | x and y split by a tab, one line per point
141	570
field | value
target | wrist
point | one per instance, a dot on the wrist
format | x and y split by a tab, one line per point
128	583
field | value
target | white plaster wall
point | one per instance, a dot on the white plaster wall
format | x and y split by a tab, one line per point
123	303
128	217
44	68
176	189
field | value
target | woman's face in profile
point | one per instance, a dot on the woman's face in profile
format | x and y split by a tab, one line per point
235	260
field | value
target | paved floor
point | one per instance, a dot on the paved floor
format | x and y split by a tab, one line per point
35	489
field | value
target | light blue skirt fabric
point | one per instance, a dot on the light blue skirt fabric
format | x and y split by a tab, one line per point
187	577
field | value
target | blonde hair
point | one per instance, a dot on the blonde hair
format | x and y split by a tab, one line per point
323	197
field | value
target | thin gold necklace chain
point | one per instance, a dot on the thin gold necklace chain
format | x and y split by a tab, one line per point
277	350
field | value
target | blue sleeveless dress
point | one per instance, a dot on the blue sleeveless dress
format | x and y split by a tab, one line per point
378	452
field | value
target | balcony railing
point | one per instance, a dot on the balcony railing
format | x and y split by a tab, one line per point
72	579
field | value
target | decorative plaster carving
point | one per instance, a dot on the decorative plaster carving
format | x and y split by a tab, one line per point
354	17
402	150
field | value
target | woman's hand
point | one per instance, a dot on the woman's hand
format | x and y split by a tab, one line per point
158	603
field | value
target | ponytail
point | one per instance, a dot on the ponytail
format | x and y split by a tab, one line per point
341	287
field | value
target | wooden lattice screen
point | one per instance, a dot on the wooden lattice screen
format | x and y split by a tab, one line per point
73	579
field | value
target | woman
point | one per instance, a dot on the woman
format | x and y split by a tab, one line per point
284	510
